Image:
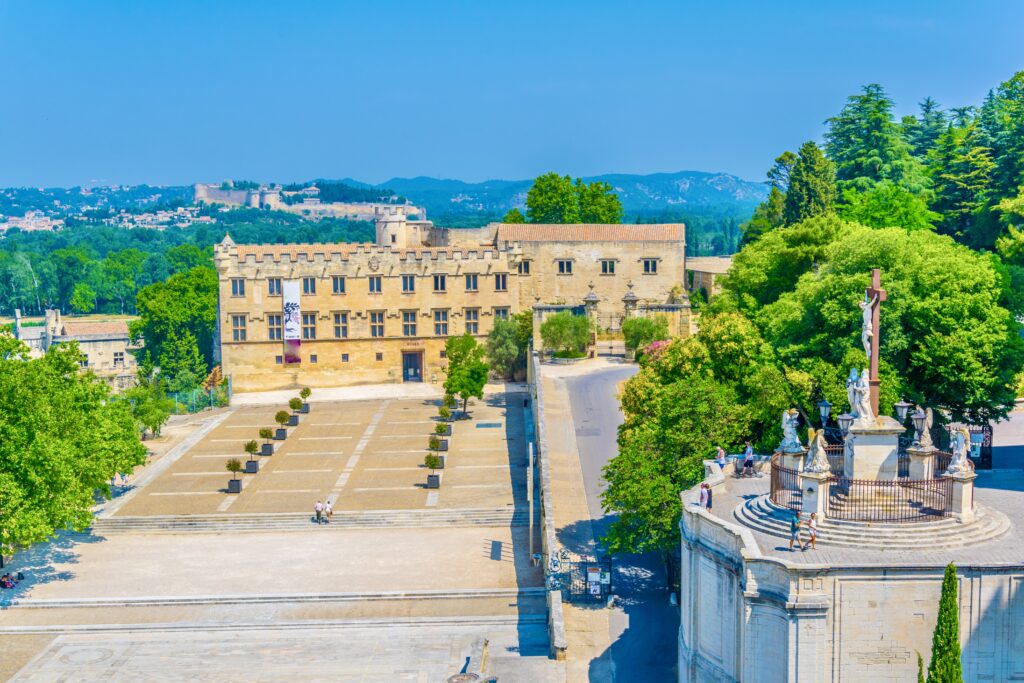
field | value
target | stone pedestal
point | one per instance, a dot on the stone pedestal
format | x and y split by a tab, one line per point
922	463
875	449
963	496
793	460
814	488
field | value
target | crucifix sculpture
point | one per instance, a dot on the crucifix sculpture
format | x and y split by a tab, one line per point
873	297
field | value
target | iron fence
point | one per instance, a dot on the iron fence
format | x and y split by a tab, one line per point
900	500
785	486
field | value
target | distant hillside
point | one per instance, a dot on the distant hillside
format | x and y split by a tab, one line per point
689	192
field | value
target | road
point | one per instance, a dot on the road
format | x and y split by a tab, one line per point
643	626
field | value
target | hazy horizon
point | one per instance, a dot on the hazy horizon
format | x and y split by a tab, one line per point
170	94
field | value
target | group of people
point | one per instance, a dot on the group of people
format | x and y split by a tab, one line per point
748	460
323	512
796	525
706	496
9	580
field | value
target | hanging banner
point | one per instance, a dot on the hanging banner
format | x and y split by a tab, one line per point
292	321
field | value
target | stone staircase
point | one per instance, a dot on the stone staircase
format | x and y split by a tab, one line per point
374	519
766	517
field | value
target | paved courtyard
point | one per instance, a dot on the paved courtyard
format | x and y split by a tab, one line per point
361	455
403	592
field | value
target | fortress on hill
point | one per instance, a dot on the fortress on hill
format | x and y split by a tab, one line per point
337	314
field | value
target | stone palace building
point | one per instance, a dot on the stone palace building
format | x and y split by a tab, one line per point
339	314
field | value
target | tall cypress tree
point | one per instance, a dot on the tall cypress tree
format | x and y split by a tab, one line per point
945	665
812	186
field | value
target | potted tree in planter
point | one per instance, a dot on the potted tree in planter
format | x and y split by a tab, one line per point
443	429
435	443
252	466
234	466
281	418
445	413
304	395
434	462
267	434
296	405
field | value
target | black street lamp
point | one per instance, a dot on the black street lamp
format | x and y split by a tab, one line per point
902	407
845	421
824	409
920	419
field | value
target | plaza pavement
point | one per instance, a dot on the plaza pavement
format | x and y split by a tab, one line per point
381	603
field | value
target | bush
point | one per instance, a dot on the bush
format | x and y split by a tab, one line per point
295	404
433	443
441	429
432	461
281	417
234	466
266	433
444	413
251	447
639	332
305	393
566	332
569	354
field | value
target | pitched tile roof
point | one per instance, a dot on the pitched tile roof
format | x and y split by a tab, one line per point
709	264
75	329
590	232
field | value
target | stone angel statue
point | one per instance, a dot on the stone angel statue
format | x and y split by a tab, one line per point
961	463
790	439
817	457
851	390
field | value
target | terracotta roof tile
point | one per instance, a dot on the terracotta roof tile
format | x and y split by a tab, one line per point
75	329
590	232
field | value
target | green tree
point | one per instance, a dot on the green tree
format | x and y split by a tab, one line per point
83	300
598	202
181	365
923	132
811	188
552	199
780	172
640	332
887	204
467	369
566	334
945	666
185	302
63	439
767	216
150	406
514	215
185	257
961	169
503	350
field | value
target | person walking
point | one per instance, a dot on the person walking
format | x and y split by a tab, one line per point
720	457
794	532
812	529
328	511
318	509
710	496
703	495
748	460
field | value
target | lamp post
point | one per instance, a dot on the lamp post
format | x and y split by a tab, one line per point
824	409
902	407
845	421
920	419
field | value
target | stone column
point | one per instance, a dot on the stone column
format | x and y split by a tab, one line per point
814	487
922	463
538	318
793	460
963	496
875	449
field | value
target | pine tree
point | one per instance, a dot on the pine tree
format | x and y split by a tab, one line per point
945	665
920	669
1003	118
812	188
767	216
925	130
961	168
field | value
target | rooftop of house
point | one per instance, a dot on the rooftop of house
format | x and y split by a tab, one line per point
709	264
590	232
86	328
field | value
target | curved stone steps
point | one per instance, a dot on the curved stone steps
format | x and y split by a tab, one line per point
762	515
298	521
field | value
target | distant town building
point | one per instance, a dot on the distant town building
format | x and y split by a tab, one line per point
105	344
311	206
338	314
31	221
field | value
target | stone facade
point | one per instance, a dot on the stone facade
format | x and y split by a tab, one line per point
382	312
753	617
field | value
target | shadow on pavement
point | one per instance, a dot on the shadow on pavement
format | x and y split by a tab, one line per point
37	564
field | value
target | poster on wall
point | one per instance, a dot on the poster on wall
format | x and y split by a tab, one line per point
292	321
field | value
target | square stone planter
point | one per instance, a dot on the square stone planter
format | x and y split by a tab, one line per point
304	409
441	465
293	421
281	434
442	445
252	466
234	485
267	448
433	481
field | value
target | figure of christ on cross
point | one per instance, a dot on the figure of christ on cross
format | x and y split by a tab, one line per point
873	297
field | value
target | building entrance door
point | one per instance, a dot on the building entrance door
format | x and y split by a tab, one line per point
412	366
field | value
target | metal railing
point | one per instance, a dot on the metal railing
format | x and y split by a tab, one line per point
901	500
836	459
785	486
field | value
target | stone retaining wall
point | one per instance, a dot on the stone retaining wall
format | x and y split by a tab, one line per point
556	616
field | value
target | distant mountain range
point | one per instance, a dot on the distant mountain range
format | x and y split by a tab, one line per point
683	192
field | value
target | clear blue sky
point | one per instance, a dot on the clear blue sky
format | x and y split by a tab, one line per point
176	91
